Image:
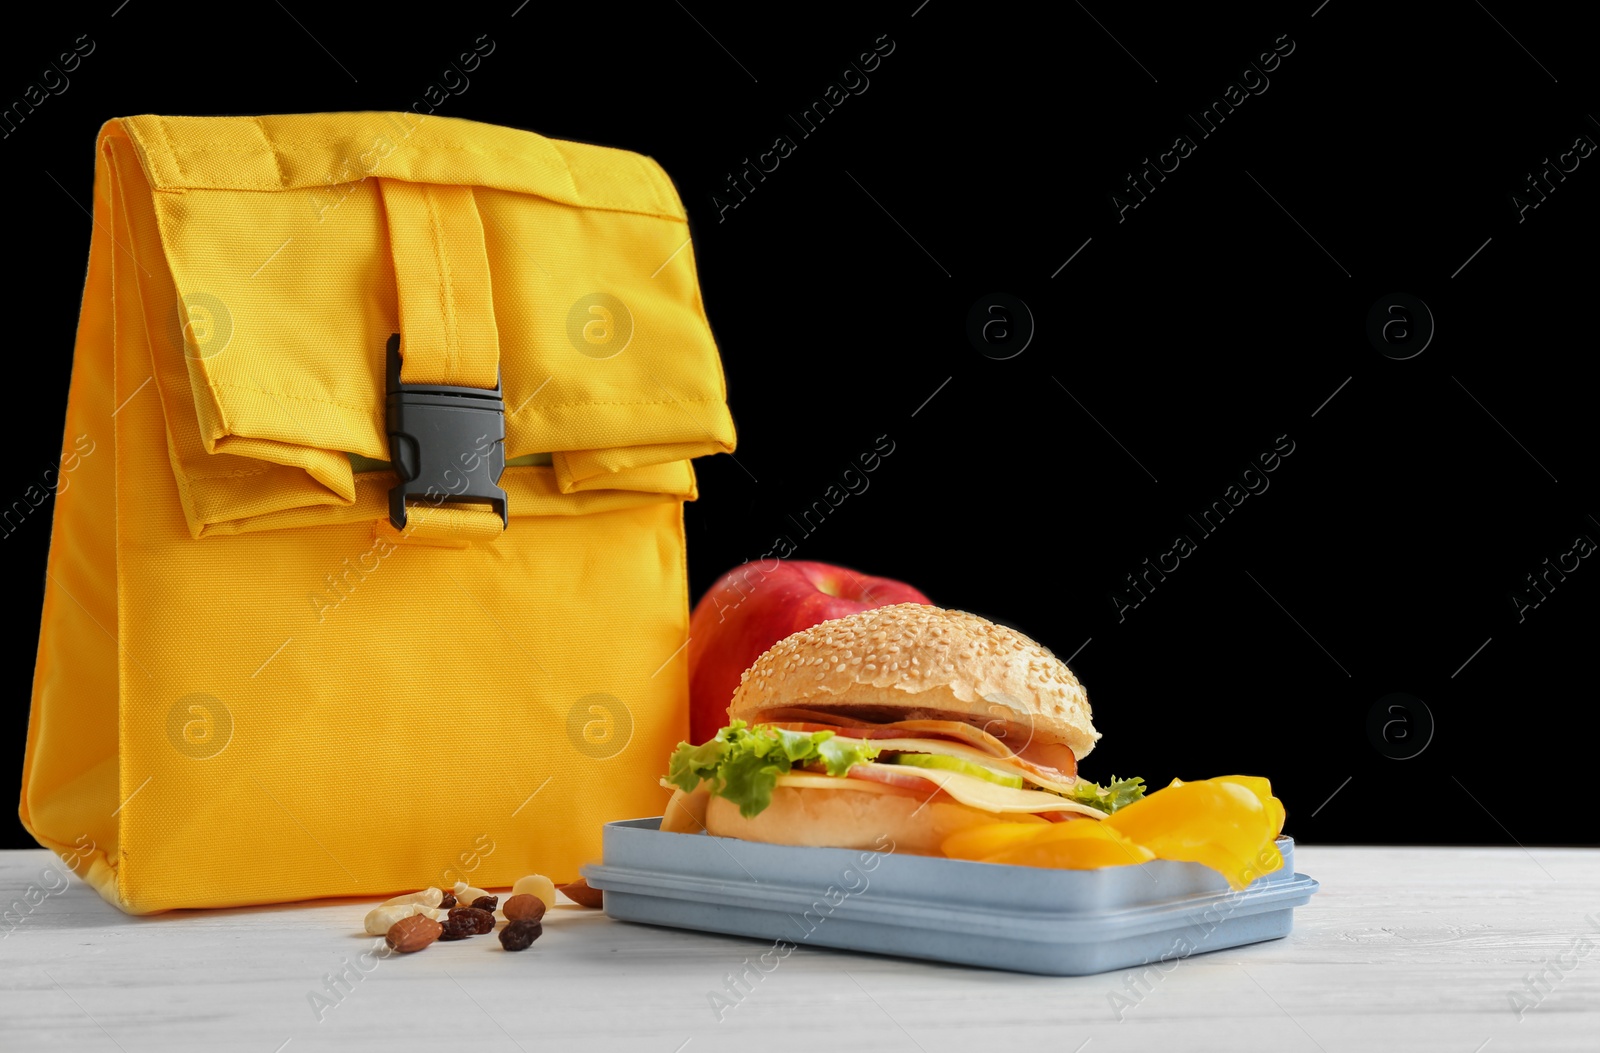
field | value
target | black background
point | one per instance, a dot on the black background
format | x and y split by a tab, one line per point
1176	346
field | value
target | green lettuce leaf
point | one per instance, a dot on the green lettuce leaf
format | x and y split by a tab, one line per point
743	763
1108	799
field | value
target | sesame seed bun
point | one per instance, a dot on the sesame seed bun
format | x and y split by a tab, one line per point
851	819
912	661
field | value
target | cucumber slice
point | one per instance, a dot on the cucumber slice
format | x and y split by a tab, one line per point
956	764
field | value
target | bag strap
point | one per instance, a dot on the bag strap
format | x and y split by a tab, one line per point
448	336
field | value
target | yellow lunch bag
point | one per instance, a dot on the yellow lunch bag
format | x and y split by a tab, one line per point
367	568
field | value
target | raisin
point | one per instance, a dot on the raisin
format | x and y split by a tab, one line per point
448	901
519	935
457	929
473	921
488	903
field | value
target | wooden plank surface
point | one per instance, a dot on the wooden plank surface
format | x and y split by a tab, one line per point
1454	950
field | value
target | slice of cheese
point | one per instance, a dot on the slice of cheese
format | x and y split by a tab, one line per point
989	796
1005	765
805	780
968	790
810	780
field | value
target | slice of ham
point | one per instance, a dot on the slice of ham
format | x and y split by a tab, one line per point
796	719
1048	755
1056	759
1034	750
1053	762
815	716
1051	756
866	777
977	738
864	731
878	773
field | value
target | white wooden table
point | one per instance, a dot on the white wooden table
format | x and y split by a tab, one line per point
1455	950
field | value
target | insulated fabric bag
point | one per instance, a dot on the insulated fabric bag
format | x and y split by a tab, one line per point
367	572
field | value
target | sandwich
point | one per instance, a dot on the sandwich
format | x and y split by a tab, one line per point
909	722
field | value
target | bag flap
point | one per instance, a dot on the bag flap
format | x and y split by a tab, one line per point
265	265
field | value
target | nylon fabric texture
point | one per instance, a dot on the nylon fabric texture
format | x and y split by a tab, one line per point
250	687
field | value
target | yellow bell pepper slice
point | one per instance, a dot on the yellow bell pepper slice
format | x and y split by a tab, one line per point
1228	824
1078	844
980	842
1262	788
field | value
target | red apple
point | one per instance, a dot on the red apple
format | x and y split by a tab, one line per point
752	607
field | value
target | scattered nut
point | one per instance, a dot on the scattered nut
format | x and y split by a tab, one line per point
428	897
536	885
525	907
465	893
412	921
580	893
467	921
413	933
380	919
519	935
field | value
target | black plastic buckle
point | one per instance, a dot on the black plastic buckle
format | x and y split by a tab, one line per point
446	443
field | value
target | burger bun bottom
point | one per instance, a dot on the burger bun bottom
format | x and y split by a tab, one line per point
862	819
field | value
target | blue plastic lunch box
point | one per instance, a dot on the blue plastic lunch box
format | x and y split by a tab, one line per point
1025	919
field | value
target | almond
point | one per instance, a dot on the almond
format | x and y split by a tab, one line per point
414	933
525	907
580	893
